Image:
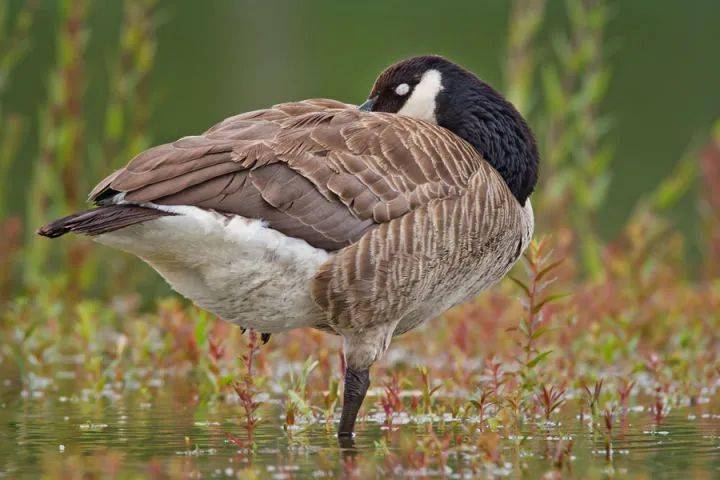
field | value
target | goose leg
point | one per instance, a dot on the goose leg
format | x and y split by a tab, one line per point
356	386
362	347
265	337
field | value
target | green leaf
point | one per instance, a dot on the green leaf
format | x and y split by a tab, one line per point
548	269
520	284
547	300
201	328
675	186
538	358
523	327
539	332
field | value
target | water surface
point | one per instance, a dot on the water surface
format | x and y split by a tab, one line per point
165	429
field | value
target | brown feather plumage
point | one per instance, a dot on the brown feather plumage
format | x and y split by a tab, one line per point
410	210
318	170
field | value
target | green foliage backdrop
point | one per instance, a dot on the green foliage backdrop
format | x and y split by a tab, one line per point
616	94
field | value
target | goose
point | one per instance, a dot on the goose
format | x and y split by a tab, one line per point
364	222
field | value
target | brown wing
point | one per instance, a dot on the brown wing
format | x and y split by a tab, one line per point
318	170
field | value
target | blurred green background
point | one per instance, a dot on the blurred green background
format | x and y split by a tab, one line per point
226	56
198	62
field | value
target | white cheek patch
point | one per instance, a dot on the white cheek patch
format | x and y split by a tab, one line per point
421	103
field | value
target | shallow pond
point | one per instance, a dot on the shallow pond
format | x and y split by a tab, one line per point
55	432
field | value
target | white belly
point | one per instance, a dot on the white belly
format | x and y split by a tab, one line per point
236	268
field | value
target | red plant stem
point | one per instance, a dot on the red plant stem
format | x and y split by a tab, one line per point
532	257
252	348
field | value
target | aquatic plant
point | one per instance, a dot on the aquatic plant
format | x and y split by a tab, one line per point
592	396
427	389
550	398
246	388
391	402
482	402
297	402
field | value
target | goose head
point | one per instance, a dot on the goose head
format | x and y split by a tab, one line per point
436	90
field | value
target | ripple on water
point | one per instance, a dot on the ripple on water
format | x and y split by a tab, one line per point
163	427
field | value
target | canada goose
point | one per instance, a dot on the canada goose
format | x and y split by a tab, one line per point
364	222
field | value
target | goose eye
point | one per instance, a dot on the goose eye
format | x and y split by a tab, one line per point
402	89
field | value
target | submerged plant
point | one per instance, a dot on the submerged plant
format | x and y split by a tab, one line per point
561	455
608	418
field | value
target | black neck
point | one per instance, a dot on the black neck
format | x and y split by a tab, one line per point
496	129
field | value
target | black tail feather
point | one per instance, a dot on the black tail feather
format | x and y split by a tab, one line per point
100	220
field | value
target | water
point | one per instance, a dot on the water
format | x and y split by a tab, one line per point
166	429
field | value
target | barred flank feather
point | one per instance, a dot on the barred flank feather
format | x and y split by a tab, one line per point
100	220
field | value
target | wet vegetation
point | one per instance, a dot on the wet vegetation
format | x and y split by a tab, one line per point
597	359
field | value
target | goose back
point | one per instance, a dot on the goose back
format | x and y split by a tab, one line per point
317	170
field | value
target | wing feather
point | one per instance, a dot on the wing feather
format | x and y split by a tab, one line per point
319	170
